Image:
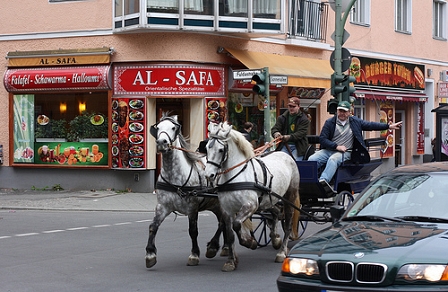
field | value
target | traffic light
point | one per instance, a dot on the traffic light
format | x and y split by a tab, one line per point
337	84
349	89
261	82
332	106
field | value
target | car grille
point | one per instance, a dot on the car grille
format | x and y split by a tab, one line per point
362	272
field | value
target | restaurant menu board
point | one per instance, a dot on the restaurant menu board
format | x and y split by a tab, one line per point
387	117
215	111
128	136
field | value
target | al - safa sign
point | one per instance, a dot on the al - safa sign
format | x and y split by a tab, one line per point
162	80
69	78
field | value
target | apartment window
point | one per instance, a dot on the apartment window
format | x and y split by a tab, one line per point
403	15
360	13
439	19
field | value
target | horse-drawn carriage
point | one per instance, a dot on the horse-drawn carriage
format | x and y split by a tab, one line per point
317	201
264	189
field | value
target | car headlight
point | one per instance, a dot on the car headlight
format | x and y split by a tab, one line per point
423	272
300	266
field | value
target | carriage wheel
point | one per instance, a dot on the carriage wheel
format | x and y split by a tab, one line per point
261	229
344	198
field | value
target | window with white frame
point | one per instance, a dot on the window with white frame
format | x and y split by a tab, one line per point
360	13
439	19
403	16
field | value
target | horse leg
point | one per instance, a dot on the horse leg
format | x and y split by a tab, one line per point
232	259
288	217
151	250
245	238
193	259
213	244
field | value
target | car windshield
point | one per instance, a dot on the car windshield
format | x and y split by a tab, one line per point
404	195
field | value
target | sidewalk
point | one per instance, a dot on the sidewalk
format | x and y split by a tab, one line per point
104	200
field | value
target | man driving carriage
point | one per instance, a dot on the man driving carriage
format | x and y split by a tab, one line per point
341	140
292	128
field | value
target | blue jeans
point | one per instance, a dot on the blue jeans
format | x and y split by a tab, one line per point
293	150
333	159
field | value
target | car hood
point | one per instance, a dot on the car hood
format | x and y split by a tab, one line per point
377	241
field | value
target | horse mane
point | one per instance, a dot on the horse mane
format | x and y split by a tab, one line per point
240	141
184	144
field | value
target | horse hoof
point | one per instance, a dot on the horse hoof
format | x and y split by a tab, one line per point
280	258
254	245
211	253
229	267
225	252
193	261
276	243
151	260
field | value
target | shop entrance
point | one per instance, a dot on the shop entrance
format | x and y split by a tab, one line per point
172	106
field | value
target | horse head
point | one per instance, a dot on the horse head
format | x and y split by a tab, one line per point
220	137
166	132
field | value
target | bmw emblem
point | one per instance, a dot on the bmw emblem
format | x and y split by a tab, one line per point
359	255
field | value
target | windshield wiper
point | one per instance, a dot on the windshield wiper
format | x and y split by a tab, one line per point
372	218
424	219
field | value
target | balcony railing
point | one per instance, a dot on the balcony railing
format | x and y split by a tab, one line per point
294	18
308	19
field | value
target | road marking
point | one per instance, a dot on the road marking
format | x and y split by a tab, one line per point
86	227
53	231
26	234
77	228
123	223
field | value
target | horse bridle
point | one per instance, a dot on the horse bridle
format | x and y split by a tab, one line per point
154	131
210	144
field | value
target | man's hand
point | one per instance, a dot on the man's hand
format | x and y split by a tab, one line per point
341	148
285	138
396	126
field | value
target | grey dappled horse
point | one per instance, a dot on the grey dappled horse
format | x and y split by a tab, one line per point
247	184
182	173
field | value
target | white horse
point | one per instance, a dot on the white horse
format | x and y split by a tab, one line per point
247	184
182	174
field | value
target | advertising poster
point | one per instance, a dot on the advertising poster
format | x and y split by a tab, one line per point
387	117
420	139
128	148
216	111
71	153
23	131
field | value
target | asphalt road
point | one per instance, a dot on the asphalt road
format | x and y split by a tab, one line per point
104	251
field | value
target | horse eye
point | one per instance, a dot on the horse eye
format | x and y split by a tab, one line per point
221	150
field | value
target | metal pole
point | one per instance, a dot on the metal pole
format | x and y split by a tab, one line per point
339	34
267	109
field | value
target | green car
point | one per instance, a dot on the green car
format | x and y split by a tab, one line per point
393	237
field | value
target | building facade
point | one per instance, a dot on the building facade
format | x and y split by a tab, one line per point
107	70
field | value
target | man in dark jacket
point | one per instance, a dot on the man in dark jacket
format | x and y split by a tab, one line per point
340	134
292	128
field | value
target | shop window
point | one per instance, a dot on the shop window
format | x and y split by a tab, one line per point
51	128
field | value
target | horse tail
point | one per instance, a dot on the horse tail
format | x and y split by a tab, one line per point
295	220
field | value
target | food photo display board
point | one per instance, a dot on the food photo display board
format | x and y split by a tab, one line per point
215	111
128	148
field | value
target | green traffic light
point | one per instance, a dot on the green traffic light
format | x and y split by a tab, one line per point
261	83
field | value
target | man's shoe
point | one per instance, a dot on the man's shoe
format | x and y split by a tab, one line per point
326	186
